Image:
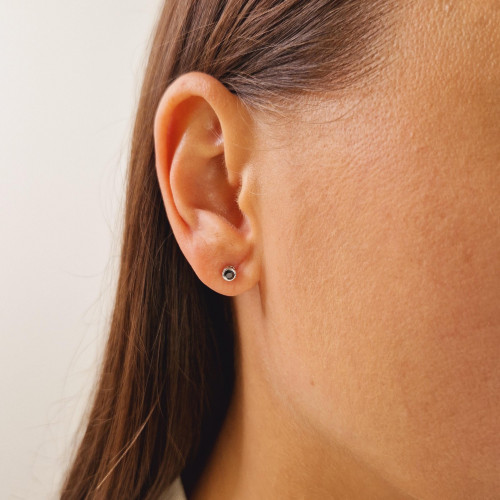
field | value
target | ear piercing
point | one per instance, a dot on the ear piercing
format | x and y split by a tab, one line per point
229	273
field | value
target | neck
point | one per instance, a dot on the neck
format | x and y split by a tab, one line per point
266	450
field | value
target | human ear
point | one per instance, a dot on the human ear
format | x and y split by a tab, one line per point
202	135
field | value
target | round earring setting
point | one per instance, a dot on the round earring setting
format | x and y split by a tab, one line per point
229	273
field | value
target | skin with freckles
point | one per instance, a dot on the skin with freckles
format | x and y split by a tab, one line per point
365	229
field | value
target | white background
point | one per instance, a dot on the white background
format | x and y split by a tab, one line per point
70	74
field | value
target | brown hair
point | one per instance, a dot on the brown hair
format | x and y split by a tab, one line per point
167	373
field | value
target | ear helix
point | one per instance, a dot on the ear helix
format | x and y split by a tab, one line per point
229	273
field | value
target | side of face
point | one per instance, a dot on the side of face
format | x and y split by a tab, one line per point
380	226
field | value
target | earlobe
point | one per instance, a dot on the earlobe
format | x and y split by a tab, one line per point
202	134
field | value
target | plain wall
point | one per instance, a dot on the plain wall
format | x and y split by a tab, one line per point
70	75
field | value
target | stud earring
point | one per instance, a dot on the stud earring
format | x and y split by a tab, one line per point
229	273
